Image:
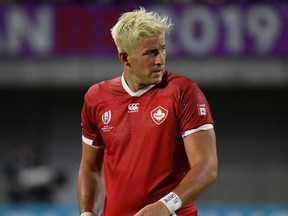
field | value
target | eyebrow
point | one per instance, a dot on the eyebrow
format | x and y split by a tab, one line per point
154	49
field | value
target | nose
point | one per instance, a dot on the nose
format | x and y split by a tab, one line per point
160	59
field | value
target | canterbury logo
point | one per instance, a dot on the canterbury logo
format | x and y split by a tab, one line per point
133	107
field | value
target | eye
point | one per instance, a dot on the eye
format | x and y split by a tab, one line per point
153	52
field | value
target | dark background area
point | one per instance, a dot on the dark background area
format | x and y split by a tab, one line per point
251	126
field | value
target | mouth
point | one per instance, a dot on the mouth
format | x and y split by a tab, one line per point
157	71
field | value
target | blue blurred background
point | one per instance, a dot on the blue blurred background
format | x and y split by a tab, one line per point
52	51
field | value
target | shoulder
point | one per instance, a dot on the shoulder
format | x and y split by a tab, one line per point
178	87
102	90
178	81
106	84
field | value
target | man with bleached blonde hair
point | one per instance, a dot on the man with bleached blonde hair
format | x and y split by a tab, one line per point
149	131
127	34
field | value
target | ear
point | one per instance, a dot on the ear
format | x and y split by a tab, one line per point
123	56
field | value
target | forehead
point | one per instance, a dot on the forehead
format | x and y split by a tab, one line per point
153	42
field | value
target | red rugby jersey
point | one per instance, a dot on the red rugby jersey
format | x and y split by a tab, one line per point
142	134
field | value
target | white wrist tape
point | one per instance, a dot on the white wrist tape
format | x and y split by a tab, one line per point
87	214
172	202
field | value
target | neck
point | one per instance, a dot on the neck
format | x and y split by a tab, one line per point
132	83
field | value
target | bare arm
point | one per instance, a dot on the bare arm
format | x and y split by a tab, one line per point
90	179
201	151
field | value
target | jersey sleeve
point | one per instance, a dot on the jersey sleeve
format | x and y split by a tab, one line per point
194	110
90	133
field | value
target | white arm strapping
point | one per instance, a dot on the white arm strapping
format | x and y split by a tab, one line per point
172	201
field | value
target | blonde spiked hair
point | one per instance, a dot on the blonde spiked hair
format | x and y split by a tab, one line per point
133	26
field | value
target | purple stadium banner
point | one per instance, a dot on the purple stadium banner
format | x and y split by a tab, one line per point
250	30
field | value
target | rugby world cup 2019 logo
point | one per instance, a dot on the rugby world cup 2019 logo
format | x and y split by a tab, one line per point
159	115
106	117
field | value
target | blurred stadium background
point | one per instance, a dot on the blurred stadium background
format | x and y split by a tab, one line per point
52	51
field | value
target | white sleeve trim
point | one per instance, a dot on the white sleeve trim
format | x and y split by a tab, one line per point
87	214
86	140
90	142
202	127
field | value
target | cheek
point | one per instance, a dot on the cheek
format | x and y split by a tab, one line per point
146	63
149	62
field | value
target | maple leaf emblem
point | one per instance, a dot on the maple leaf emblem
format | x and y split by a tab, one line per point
159	114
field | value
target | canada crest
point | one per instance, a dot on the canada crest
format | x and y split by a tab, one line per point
159	115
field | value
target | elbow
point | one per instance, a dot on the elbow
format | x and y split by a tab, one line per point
212	173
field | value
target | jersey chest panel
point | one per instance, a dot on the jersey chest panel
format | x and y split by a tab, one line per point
132	118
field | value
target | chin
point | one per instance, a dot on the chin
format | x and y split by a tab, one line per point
158	80
157	75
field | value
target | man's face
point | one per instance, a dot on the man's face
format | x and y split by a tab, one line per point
148	61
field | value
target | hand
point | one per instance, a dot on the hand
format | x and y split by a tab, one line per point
154	209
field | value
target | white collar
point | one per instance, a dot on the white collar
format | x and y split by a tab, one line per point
135	94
